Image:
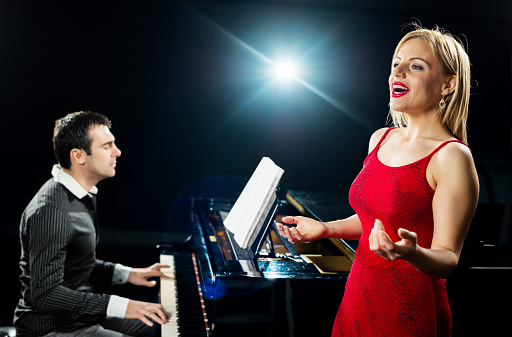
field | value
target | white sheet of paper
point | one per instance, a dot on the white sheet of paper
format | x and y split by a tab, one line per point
250	206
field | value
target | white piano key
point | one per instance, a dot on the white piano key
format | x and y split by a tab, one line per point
168	296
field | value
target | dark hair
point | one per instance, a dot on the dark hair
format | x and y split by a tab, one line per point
72	132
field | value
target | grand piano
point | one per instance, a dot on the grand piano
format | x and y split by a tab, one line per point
283	289
274	288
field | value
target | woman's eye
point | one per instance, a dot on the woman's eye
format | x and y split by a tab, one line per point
394	65
417	67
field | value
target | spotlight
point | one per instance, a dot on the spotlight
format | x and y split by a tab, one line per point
286	70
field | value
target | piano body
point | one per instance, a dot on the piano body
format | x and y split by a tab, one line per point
282	289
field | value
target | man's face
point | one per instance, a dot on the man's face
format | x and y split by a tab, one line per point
101	163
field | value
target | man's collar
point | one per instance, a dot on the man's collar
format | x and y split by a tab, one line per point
70	183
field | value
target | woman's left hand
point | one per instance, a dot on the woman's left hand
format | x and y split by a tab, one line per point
381	244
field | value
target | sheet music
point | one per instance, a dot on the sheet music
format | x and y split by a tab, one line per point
261	222
245	216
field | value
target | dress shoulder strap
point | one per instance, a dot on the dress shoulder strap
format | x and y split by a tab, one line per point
443	144
383	137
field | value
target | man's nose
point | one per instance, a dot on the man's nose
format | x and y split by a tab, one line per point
117	151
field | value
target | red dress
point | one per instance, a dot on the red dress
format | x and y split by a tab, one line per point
391	298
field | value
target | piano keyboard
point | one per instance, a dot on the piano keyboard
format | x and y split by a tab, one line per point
168	296
180	295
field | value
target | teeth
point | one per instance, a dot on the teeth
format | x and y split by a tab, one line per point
400	88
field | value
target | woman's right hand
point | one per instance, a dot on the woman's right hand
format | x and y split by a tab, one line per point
306	229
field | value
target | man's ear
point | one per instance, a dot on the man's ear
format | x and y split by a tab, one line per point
77	156
449	85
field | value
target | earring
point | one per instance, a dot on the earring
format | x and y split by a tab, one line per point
442	103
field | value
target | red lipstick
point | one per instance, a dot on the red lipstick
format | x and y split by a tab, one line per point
398	89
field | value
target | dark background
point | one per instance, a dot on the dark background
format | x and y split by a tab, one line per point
191	97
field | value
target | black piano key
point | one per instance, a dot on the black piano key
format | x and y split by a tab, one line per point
191	320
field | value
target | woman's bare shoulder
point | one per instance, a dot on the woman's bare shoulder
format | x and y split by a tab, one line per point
454	161
375	138
455	152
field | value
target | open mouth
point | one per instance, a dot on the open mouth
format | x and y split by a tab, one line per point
398	89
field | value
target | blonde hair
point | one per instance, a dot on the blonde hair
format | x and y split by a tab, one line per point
453	60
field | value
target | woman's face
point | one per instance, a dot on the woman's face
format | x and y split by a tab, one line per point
415	82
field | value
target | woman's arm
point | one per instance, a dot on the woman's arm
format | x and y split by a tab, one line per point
307	229
454	203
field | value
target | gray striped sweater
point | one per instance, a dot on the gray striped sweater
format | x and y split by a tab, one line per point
58	264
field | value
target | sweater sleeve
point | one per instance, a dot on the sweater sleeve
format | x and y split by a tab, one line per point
106	273
50	232
102	273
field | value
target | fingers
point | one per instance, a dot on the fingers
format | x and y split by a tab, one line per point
385	241
150	284
140	276
280	229
378	225
158	266
154	273
290	233
159	312
284	229
295	234
291	220
146	312
406	235
381	244
156	270
373	240
376	235
158	315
